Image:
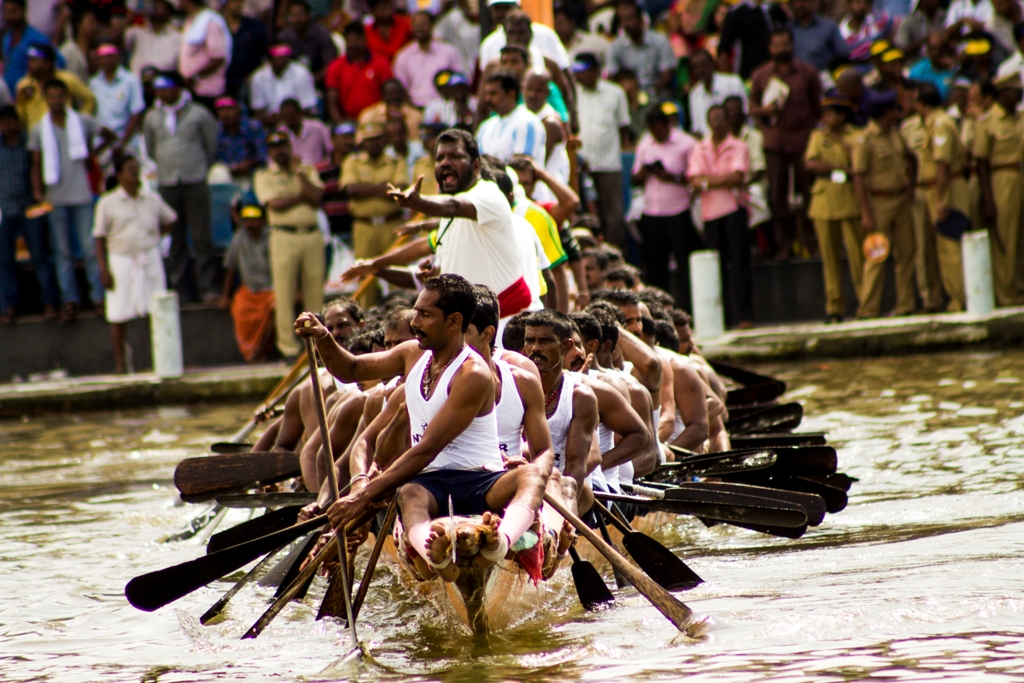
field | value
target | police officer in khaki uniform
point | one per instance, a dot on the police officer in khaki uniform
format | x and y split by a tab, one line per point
999	151
884	171
364	177
834	207
291	192
926	263
941	165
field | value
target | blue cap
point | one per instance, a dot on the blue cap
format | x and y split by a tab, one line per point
584	62
344	129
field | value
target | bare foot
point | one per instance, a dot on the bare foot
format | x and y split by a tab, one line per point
555	551
566	537
492	541
439	548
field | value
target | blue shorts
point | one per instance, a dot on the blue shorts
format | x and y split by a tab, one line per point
467	489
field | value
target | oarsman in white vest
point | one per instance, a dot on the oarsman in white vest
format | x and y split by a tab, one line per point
453	426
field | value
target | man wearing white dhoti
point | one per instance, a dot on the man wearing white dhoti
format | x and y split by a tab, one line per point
129	221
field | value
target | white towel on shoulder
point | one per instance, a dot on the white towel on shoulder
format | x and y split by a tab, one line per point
195	34
171	111
77	147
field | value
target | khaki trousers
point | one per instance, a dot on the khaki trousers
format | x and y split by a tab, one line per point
926	262
368	241
1007	189
832	237
893	219
290	254
949	251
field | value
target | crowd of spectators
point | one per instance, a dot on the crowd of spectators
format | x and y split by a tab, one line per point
763	130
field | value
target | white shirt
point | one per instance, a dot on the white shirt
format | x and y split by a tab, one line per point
518	132
602	112
267	91
544	39
479	250
455	29
723	85
960	9
131	224
584	41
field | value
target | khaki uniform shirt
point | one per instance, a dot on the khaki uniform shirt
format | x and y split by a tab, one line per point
913	131
359	168
424	166
832	197
274	182
999	138
941	143
881	159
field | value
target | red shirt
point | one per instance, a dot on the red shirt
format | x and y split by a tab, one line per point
401	33
358	83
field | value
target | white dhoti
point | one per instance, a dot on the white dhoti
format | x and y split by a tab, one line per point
136	278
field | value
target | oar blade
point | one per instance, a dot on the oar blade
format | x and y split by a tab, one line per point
773	440
254	528
660	563
835	499
778	419
224	447
152	591
812	504
590	587
195	476
755	393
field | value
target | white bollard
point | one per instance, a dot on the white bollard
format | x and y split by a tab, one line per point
978	272
165	333
706	292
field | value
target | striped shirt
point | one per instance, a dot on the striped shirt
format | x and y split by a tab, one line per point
518	132
602	111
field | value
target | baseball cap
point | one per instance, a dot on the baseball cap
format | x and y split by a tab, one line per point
251	211
277	138
224	102
280	50
344	129
584	62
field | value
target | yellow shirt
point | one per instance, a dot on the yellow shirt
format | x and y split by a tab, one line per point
999	138
547	232
832	197
424	166
360	168
273	182
31	104
881	159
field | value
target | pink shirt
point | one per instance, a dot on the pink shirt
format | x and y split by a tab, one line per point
194	58
730	156
313	145
416	68
663	198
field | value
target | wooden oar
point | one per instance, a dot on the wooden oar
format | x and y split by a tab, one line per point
203	475
332	478
657	561
773	440
223	447
254	528
371	563
267	500
778	419
812	504
744	376
151	591
733	510
755	393
590	587
740	411
835	498
219	606
675	611
780	461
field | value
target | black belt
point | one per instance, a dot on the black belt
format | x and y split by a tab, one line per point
295	229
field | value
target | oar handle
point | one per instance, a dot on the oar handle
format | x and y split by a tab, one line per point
657	494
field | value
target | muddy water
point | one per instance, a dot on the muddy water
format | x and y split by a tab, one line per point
918	579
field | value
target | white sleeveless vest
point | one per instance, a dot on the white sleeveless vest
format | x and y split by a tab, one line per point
476	448
559	421
510	411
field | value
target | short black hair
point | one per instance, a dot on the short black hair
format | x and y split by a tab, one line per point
618	297
514	336
656	115
519	50
47	50
397	316
301	3
55	83
508	81
590	329
928	95
9	112
559	322
713	107
362	341
290	102
453	135
665	335
629	3
779	30
623	275
351	27
681	318
600	257
119	160
656	295
454	295
347	304
487	311
607	319
734	98
646	325
423	13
